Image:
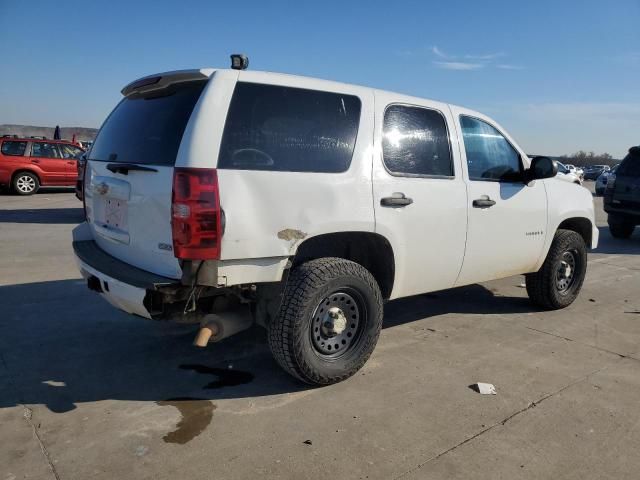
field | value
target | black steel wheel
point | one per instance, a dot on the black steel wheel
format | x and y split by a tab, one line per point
329	321
558	282
338	322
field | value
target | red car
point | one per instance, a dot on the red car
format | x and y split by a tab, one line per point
28	163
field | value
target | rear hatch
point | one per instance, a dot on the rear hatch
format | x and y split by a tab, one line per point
626	192
130	172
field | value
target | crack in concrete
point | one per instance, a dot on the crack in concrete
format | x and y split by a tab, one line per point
621	355
498	424
27	414
549	333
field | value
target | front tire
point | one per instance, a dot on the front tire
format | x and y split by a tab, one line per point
25	183
558	282
329	321
621	230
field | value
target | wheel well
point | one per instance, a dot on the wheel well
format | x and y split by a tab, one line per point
27	171
370	250
580	225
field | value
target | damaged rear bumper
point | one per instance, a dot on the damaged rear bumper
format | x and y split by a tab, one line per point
126	287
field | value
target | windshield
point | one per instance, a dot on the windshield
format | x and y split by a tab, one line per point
630	166
147	129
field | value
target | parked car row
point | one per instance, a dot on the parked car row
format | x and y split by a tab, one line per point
592	172
28	163
568	175
601	181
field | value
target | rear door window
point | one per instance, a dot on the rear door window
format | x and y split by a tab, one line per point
45	150
147	129
13	148
289	129
416	142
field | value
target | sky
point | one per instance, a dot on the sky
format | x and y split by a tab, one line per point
559	76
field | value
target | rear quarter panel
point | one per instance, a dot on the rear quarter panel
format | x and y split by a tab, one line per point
267	213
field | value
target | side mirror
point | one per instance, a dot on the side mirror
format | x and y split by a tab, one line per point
541	167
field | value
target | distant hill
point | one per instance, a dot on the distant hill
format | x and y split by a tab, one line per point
83	134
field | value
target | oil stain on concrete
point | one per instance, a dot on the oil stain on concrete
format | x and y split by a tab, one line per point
195	417
196	413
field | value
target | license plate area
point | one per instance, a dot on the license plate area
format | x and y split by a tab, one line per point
116	214
111	219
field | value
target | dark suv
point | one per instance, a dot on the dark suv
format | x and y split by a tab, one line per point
622	196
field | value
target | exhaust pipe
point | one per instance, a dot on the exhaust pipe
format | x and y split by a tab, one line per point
214	327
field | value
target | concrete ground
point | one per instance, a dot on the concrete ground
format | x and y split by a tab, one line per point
89	392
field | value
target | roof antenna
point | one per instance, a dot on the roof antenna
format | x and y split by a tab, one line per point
239	61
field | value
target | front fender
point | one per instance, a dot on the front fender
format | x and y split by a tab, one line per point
567	201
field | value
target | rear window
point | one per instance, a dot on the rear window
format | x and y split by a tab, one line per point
289	129
15	149
147	129
630	166
45	150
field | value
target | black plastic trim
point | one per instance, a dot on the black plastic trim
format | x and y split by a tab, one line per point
91	254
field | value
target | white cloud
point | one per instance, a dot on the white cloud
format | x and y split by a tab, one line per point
486	56
470	61
507	66
459	65
439	53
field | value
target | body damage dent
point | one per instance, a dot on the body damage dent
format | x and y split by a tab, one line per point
291	234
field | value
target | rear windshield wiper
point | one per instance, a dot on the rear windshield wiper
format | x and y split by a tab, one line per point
125	167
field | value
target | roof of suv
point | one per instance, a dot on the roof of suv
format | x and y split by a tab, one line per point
163	79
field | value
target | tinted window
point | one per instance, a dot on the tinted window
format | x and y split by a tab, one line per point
289	129
147	129
13	148
45	150
415	141
630	166
69	151
489	155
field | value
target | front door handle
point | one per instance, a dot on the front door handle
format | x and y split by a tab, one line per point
483	202
396	200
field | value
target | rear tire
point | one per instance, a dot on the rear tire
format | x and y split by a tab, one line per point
25	183
329	321
621	230
558	282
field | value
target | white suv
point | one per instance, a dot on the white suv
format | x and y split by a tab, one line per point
233	197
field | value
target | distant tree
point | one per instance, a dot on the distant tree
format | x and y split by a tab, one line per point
584	159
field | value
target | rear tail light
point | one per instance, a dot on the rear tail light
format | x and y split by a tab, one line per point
84	166
196	214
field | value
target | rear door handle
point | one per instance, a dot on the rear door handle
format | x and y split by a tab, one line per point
483	202
35	161
396	200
